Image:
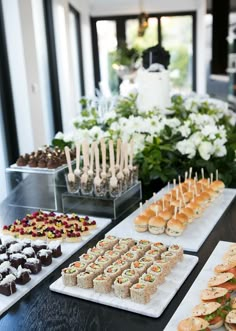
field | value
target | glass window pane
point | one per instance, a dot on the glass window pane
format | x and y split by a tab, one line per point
177	38
75	56
150	37
107	43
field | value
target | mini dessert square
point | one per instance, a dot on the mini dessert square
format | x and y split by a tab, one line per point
28	252
45	256
34	265
55	247
38	245
8	285
22	275
17	259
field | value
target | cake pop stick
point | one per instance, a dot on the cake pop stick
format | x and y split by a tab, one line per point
71	176
113	179
84	177
120	174
202	171
90	171
77	171
104	161
131	154
217	174
211	177
97	179
118	150
190	172
126	168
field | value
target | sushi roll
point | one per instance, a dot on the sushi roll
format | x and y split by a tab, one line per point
148	260
105	261
104	244
121	248
85	279
130	256
122	286
151	281
102	284
127	241
140	267
96	268
165	264
96	251
171	256
112	239
69	276
131	274
178	250
157	270
122	264
153	253
146	244
159	246
80	266
113	255
137	248
139	293
87	258
113	271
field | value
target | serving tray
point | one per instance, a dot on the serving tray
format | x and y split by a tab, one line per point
159	300
193	236
192	298
68	249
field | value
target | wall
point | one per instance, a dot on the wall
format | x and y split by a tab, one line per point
124	7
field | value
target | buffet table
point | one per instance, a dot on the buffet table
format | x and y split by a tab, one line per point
42	309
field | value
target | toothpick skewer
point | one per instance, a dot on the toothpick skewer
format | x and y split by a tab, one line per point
190	172
217	174
71	176
118	151
202	171
211	177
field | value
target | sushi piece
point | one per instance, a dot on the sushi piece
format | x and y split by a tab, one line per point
102	284
85	279
121	248
95	267
130	256
105	261
140	267
34	265
137	248
139	293
69	276
165	264
148	260
127	241
122	286
22	275
150	280
113	271
131	274
8	285
112	239
96	251
45	256
122	264
113	255
87	258
55	247
104	244
158	272
178	250
170	256
80	266
156	254
146	244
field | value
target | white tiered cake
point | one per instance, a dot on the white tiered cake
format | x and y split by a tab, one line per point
153	89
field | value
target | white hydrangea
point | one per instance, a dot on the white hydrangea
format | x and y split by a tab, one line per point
219	148
206	150
187	147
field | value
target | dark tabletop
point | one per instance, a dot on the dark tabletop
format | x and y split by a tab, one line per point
42	309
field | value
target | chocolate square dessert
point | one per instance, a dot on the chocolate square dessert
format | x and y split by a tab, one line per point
45	256
34	265
8	285
14	248
28	252
22	275
38	245
3	257
55	247
9	242
26	243
17	259
5	268
3	249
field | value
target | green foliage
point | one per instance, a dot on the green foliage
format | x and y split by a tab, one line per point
125	56
61	143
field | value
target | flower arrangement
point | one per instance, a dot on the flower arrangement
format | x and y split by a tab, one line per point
194	132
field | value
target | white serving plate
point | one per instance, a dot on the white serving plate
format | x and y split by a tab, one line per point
159	300
193	236
192	298
68	249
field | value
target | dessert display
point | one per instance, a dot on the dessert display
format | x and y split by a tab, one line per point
47	157
102	180
19	266
50	227
180	206
123	270
217	307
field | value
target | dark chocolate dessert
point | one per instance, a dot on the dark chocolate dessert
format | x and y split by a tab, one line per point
38	245
8	285
45	256
3	249
55	247
3	257
22	276
17	259
42	163
28	252
34	265
33	163
21	161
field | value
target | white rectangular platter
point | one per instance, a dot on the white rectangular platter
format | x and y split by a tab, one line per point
192	298
159	300
193	236
68	249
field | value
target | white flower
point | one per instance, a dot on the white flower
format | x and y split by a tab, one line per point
209	131
59	135
205	149
185	129
186	147
219	147
109	115
68	137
